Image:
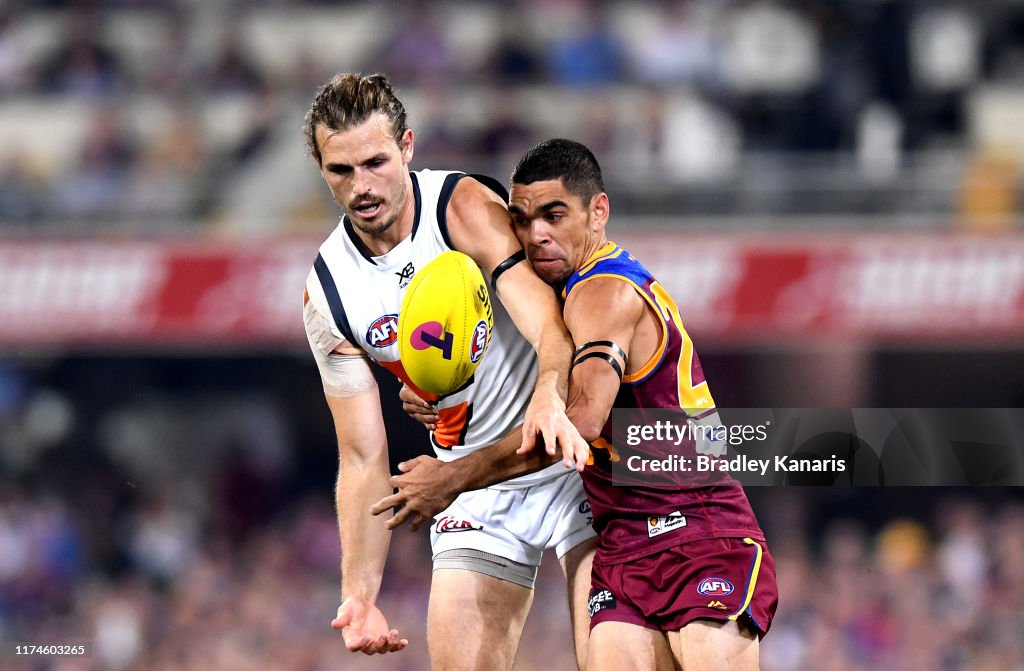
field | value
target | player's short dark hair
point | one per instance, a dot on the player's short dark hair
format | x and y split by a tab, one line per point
348	100
566	160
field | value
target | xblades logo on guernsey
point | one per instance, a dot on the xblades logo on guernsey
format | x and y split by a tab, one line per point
383	331
405	275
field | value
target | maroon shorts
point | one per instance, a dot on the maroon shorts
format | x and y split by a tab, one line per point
716	579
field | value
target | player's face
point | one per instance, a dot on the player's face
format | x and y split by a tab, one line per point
367	172
556	228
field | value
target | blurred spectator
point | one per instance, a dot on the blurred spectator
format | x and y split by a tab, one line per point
770	48
681	48
165	183
171	66
14	64
162	537
232	70
417	52
990	191
440	140
94	185
20	191
513	59
506	134
590	55
854	89
83	64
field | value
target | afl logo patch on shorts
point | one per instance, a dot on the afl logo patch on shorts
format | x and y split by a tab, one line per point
715	587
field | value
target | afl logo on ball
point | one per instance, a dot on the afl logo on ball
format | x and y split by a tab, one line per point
715	587
383	331
479	344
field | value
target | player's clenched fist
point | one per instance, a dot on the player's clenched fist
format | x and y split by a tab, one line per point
364	628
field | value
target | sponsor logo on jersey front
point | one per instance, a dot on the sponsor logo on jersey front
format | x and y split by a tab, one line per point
383	332
715	587
718	604
659	525
449	524
479	343
601	599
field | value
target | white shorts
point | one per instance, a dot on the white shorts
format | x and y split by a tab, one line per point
517	524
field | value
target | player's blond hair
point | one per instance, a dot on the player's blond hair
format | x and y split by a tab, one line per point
348	100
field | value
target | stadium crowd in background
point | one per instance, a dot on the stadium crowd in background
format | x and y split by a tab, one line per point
157	585
172	509
709	104
183	520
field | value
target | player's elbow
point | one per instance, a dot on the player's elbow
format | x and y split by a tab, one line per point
587	423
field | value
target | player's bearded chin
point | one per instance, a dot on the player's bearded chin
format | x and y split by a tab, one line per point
384	224
374	229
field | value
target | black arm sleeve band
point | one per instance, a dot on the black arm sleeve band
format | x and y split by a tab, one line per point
604	356
601	343
505	265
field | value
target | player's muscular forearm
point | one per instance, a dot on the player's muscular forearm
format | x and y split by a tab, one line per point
600	311
480	226
498	463
364	538
427	486
362	480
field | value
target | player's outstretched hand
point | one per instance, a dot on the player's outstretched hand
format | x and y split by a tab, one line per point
546	418
364	628
417	408
425	488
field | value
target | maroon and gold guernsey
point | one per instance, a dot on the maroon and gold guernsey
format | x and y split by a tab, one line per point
637	520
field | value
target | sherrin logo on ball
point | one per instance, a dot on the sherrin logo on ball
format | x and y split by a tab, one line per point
445	323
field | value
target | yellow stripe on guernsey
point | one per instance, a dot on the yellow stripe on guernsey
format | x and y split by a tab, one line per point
692	397
752	579
609	251
651	363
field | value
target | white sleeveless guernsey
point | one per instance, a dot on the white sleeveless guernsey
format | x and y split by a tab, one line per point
361	296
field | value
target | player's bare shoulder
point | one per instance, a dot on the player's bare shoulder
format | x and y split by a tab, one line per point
605	298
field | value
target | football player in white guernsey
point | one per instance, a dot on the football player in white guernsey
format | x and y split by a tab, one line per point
394	221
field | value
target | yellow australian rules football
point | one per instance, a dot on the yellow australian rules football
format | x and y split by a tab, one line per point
445	324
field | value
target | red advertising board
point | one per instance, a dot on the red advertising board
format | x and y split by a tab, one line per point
745	289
